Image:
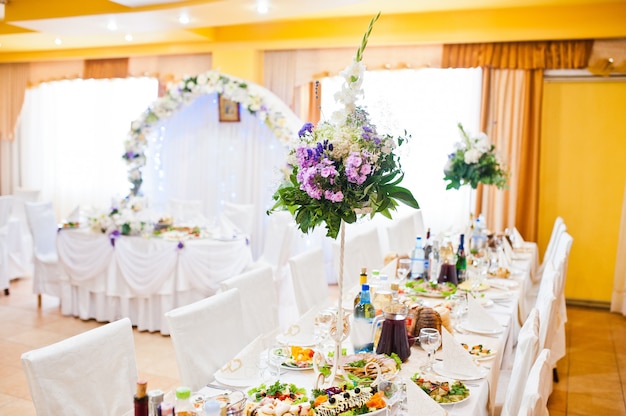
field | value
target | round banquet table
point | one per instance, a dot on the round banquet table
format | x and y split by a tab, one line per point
141	278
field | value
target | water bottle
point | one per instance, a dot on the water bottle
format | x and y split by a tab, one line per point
417	260
364	314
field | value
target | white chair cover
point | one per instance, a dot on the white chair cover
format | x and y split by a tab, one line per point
259	300
547	304
401	234
21	244
362	250
526	353
560	261
4	259
43	225
93	373
6	207
277	245
420	229
557	229
241	215
205	335
538	387
309	280
186	212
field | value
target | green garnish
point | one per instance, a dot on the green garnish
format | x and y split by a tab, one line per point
397	359
358	363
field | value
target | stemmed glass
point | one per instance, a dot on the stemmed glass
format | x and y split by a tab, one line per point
404	267
277	355
430	340
459	307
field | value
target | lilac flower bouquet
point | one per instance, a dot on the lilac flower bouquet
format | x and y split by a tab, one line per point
343	167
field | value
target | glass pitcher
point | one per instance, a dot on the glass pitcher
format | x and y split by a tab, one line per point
393	335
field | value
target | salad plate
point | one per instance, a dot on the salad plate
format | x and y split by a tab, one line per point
433	290
299	359
444	392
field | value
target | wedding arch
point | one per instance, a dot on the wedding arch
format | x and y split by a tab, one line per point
257	100
178	148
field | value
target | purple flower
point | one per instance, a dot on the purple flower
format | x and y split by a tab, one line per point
180	245
367	129
333	196
307	128
130	154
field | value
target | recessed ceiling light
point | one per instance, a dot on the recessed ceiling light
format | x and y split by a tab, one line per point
128	38
57	41
183	19
112	26
262	7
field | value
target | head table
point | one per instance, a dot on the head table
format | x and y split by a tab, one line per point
105	278
481	401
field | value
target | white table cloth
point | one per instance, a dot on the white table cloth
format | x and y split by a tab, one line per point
141	278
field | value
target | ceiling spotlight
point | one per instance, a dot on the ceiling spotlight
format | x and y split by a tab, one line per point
262	7
112	26
57	41
183	19
128	38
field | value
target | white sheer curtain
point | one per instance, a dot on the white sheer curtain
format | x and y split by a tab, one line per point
193	156
428	103
71	136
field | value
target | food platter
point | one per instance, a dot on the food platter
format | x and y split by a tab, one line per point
444	392
480	351
363	367
433	290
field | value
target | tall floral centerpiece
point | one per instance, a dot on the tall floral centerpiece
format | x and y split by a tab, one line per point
341	169
474	161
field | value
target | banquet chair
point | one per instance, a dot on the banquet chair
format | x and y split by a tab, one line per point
93	373
401	234
21	254
309	280
241	215
6	205
418	220
511	383
43	226
259	300
557	229
206	334
277	244
362	250
537	388
188	212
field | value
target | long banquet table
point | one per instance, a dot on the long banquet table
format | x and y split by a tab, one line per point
483	391
141	278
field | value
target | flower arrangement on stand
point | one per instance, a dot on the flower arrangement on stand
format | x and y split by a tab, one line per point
474	161
341	169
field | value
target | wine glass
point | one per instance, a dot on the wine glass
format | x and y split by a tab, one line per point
458	307
430	340
404	267
277	355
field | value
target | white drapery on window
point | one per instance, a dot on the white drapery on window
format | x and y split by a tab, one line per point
428	103
193	156
71	139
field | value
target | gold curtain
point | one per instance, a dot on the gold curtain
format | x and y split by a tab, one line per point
105	68
13	84
308	101
511	116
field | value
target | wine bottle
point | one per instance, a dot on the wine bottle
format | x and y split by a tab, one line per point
461	260
362	281
141	398
427	249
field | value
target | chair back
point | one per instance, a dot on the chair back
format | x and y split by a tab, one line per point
43	226
259	300
93	373
22	196
557	229
241	215
309	280
401	234
6	207
526	353
538	387
279	235
418	220
206	335
360	251
546	303
186	212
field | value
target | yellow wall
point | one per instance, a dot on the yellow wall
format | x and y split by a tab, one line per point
583	169
240	62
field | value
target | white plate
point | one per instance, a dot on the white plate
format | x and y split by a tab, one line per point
499	295
290	368
302	340
438	367
244	382
503	283
469	328
460	401
484	356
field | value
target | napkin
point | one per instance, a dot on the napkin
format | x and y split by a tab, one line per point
301	332
225	229
503	259
390	269
508	250
456	360
478	318
74	215
517	237
244	366
418	399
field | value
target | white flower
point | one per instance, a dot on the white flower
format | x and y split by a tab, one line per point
472	156
202	79
481	143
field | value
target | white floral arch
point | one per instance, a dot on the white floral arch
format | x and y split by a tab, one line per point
256	99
